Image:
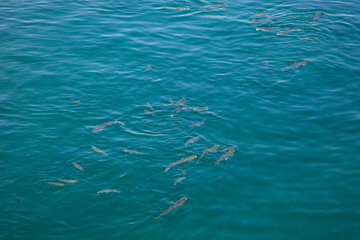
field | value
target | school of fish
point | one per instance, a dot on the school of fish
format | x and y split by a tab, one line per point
226	153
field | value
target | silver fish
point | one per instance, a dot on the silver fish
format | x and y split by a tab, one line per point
181	102
148	68
192	108
109	191
102	126
225	156
287	31
132	151
259	14
191	140
227	149
258	20
180	161
182	171
75	101
266	28
147	112
295	65
99	151
197	124
215	5
317	15
207	151
55	183
175	205
78	166
178	180
149	105
306	39
176	8
68	181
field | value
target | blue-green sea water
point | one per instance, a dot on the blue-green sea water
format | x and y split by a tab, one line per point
295	173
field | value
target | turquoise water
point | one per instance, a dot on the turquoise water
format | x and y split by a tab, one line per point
296	170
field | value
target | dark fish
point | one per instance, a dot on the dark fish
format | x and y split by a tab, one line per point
78	166
75	101
102	126
175	205
180	161
181	102
191	140
55	183
207	151
317	15
225	156
295	65
197	124
99	151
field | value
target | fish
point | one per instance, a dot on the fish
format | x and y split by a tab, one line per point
147	112
295	65
176	8
68	181
171	101
225	156
181	102
192	108
258	20
175	205
149	105
259	14
317	15
109	191
182	171
102	126
132	151
55	183
99	151
215	5
180	161
75	101
197	124
178	180
306	39
148	68
267	28
207	151
227	149
191	140
78	166
287	31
